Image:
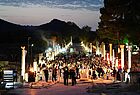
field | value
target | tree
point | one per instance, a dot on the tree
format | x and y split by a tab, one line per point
87	35
120	19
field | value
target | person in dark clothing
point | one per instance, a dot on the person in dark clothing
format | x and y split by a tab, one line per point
46	72
54	74
94	75
66	75
73	76
77	72
114	73
31	77
102	72
118	76
99	71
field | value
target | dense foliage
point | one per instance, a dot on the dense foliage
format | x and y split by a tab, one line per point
120	21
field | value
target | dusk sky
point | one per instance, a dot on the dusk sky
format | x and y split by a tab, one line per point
37	12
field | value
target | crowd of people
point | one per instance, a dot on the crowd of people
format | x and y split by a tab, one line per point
74	66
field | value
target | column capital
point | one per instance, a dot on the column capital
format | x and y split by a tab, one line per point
121	46
23	47
102	43
129	48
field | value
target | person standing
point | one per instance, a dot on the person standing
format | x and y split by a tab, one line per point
77	72
54	74
73	76
66	75
114	73
94	76
46	73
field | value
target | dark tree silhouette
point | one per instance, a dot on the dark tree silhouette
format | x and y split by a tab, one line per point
120	19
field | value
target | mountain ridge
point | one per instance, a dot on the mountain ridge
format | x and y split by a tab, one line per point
13	36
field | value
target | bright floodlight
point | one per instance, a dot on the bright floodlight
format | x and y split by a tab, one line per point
49	49
32	45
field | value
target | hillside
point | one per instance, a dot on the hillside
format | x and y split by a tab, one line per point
13	36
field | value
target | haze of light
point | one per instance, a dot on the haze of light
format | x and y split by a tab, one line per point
37	15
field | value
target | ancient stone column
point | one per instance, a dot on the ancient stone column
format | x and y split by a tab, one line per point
23	62
122	56
113	57
91	48
116	64
103	50
110	51
129	57
97	48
